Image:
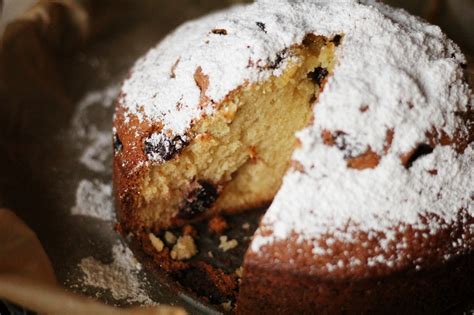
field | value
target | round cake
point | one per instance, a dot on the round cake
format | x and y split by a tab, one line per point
352	120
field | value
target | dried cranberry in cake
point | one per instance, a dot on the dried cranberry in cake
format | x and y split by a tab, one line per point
219	31
159	147
117	143
318	75
217	225
355	154
261	26
417	153
337	40
280	56
199	200
189	230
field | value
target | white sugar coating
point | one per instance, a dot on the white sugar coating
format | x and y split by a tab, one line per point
96	155
94	199
409	77
404	73
96	151
152	93
120	277
373	200
81	123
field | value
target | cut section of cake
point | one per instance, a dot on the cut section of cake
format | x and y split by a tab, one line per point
234	159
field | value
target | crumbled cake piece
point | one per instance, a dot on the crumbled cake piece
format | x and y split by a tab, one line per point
210	254
227	306
226	245
170	238
156	242
218	225
201	197
246	226
239	271
185	248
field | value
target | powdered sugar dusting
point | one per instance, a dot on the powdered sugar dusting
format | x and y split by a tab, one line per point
94	199
405	75
98	140
120	277
165	77
81	122
410	78
98	152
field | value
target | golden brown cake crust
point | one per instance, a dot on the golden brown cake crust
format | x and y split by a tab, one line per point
429	291
127	170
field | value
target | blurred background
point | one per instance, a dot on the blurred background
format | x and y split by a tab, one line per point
456	17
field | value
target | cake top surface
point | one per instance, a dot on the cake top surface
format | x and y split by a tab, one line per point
398	84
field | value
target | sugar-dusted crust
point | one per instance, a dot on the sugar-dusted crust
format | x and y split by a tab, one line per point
403	269
127	168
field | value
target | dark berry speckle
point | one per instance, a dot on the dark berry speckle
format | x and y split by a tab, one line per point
117	143
261	26
198	200
318	75
219	31
420	151
280	56
160	147
337	40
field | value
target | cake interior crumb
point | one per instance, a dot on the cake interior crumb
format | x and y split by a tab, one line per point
170	238
156	242
185	248
216	173
226	244
227	306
